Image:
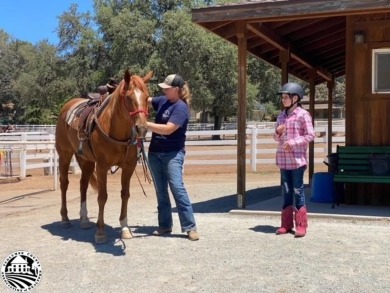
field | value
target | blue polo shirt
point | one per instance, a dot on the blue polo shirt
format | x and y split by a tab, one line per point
176	113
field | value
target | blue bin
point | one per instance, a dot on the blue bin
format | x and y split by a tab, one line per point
322	189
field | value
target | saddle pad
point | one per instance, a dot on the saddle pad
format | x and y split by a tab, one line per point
71	114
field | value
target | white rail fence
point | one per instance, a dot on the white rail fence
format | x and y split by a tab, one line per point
24	151
20	152
191	126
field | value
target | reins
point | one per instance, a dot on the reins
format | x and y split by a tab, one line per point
132	141
129	142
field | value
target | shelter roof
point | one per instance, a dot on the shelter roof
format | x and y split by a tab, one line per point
314	32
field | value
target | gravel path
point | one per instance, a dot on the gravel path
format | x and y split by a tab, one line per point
236	253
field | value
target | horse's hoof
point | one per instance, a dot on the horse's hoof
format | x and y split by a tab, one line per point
100	239
86	224
65	224
126	234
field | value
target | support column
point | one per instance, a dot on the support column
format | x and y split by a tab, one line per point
241	114
284	58
330	85
312	97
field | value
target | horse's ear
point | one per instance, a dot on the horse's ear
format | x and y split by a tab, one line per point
148	77
127	76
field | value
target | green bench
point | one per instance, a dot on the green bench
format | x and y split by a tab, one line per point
362	164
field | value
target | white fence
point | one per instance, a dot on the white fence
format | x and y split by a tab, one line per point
191	126
22	151
35	150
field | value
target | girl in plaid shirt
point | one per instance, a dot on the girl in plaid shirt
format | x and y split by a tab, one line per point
294	130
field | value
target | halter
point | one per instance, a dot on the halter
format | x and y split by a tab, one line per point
138	111
134	140
133	113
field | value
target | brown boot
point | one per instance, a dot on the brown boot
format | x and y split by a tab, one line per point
300	222
287	221
162	231
193	235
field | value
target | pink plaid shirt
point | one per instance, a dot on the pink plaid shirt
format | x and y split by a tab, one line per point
299	132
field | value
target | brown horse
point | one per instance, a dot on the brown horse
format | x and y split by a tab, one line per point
7	129
110	141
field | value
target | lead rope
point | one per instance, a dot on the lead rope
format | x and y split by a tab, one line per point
148	175
133	141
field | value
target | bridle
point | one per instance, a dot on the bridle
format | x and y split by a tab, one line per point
136	112
134	140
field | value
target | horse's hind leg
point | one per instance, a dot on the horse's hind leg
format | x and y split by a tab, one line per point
87	169
63	165
101	236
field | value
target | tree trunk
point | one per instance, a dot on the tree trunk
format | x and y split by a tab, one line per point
217	126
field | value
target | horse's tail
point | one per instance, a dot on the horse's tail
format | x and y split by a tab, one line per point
93	179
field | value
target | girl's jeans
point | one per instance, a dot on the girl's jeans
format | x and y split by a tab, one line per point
167	169
293	187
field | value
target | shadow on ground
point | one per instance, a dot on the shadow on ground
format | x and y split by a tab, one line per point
266	229
226	203
114	246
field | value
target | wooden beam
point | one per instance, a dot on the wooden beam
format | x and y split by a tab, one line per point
226	31
286	10
241	115
274	39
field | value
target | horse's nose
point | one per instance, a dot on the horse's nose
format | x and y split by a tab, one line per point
141	130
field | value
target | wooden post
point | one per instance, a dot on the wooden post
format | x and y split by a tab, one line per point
241	115
330	85
284	58
313	74
254	149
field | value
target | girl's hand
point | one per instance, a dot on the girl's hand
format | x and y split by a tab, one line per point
281	129
287	147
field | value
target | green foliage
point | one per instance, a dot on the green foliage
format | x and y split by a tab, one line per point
338	91
7	75
271	111
140	35
209	63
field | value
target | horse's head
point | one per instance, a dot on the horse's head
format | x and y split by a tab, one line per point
136	100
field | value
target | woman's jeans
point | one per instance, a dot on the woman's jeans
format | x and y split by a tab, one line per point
293	187
167	168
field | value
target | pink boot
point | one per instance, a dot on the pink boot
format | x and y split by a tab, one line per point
287	221
300	222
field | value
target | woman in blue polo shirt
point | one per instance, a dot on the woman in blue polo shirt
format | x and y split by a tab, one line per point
166	155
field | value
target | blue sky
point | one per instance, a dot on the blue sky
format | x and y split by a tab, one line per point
36	20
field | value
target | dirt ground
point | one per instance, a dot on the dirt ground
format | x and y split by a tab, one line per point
236	253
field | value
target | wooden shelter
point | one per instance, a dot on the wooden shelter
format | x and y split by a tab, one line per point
316	41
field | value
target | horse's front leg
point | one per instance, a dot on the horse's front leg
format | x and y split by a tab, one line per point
64	162
87	169
101	236
125	194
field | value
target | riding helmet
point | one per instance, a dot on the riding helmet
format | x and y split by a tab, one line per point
292	88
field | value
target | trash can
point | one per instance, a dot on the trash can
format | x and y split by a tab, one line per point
322	189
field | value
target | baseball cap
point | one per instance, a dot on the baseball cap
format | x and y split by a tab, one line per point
172	80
